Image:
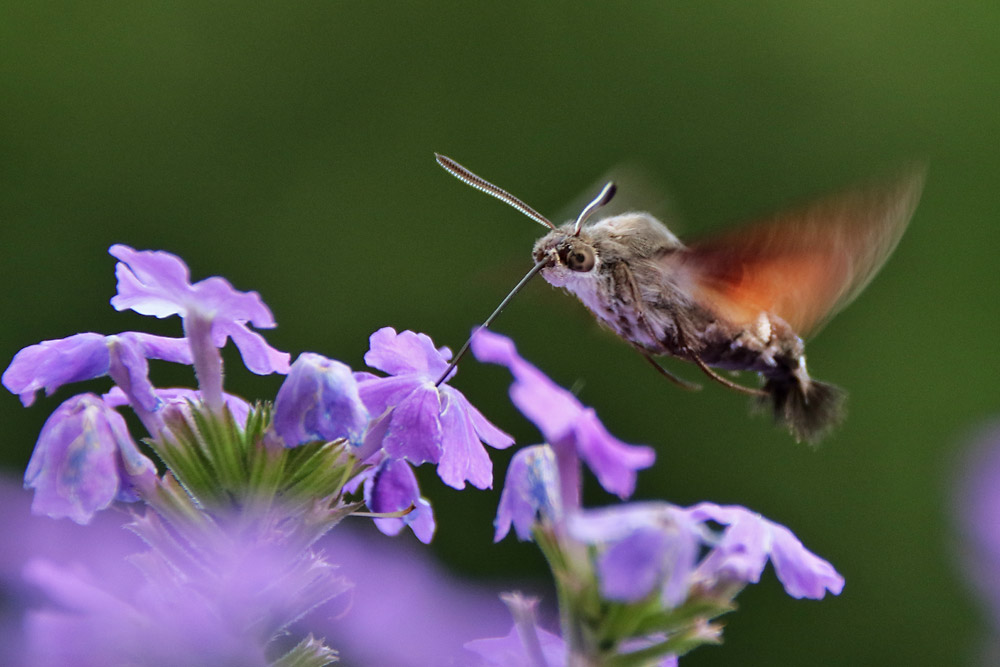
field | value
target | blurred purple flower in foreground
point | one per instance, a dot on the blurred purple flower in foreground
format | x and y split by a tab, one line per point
395	585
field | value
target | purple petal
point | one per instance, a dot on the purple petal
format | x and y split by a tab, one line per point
563	419
406	352
487	432
632	568
258	356
218	296
130	371
633	558
613	462
415	427
801	572
150	282
463	457
393	488
177	350
82	460
158	283
52	363
750	540
319	400
382	393
530	489
742	552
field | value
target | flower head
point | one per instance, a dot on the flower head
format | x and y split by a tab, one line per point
420	421
319	400
644	546
562	419
749	541
158	283
52	363
84	460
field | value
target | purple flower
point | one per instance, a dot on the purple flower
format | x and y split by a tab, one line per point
84	460
392	487
531	489
319	400
153	282
749	541
157	283
641	547
525	645
562	419
52	363
419	421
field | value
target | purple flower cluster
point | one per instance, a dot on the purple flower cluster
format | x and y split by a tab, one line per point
332	433
86	458
643	555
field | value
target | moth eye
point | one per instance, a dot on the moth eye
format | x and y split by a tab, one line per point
580	258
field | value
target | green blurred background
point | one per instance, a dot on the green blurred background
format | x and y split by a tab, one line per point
289	147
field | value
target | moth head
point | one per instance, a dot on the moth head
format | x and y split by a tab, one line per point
566	256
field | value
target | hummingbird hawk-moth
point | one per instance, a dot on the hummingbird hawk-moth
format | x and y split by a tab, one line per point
739	301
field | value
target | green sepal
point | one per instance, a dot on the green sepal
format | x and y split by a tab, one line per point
310	652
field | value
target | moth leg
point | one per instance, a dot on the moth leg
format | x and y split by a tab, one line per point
750	391
680	382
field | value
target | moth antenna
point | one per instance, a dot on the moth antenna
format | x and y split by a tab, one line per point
607	192
489	320
481	184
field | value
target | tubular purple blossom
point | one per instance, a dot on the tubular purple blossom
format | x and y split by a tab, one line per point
84	459
749	541
419	421
319	400
530	490
641	546
158	283
393	488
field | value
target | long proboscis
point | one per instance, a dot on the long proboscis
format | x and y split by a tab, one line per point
481	184
489	320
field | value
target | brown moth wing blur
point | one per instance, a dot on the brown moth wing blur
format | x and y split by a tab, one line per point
807	264
738	300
